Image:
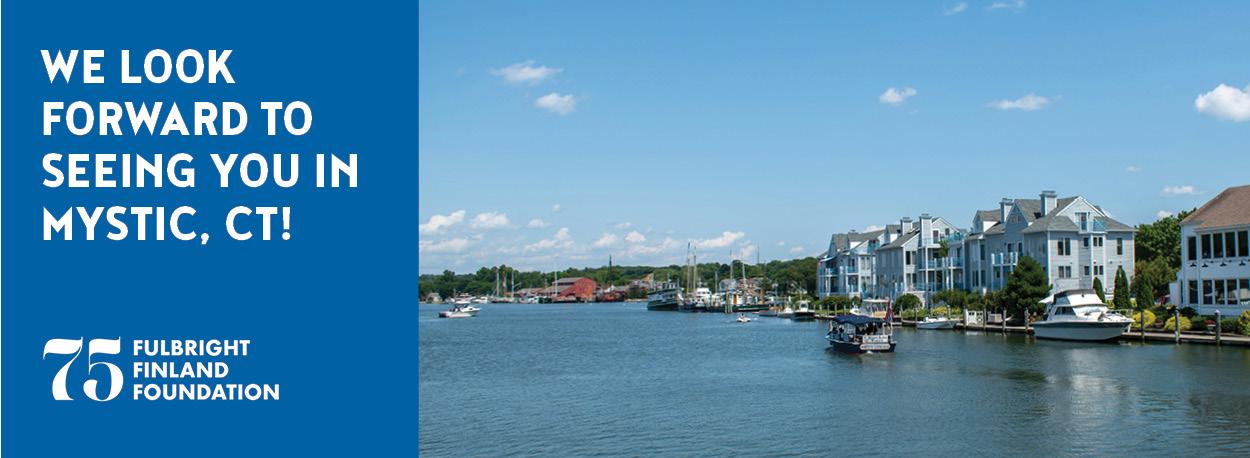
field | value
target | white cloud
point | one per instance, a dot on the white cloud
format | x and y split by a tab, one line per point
438	223
607	240
556	103
873	227
559	240
489	220
625	225
668	244
726	238
1007	5
781	243
746	253
896	96
525	73
555	208
796	250
1132	169
635	237
958	8
456	245
1183	190
1225	102
537	224
1029	102
1163	214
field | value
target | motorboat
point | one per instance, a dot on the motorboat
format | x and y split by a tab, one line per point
742	318
860	334
803	313
1078	314
935	322
462	299
786	313
768	312
459	311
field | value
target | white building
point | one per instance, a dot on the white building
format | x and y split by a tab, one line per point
911	261
1215	256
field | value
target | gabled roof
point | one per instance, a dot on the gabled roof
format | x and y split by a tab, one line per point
991	216
1230	208
1051	222
1115	226
900	241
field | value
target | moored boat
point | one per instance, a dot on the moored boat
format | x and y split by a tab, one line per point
860	334
935	322
803	313
666	298
1078	314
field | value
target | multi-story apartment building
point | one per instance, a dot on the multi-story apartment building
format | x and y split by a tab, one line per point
847	267
1215	255
1074	240
912	259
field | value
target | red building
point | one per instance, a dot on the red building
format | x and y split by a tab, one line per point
575	289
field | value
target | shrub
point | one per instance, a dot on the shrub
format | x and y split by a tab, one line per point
1200	323
1150	319
1243	323
1189	312
1170	325
1229	326
941	311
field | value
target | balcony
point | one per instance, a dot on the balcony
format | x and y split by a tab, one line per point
1092	226
848	270
943	263
1004	259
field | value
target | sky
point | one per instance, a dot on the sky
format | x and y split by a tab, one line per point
555	134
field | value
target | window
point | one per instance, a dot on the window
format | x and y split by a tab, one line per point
1217	243
1019	247
1207	295
1086	271
1243	244
1218	292
1244	291
1119	246
935	234
1193	289
1206	247
1085	242
1231	297
982	248
1230	244
1193	248
1084	220
909	258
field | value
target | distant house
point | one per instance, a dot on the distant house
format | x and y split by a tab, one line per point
1215	256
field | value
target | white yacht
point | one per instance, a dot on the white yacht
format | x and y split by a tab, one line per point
1077	314
935	322
459	311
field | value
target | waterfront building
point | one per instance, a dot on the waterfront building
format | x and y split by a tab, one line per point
919	258
1215	255
847	267
572	289
1074	240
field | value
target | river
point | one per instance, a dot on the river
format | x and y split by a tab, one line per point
614	379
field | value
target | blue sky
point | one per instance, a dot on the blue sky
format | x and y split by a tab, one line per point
756	126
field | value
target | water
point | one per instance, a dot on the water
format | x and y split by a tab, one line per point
617	380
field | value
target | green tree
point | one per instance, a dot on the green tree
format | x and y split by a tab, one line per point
1145	293
1026	287
1157	271
1102	296
1160	240
1120	292
906	302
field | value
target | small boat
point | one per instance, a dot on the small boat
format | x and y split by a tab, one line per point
459	311
935	322
1077	314
767	312
860	334
786	313
742	318
803	313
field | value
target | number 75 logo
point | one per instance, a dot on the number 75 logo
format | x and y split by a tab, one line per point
94	347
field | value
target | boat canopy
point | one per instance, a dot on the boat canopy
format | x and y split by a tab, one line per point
857	320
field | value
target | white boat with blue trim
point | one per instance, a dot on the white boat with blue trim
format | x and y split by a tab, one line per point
1078	314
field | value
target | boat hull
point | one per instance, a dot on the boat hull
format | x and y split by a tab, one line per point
1077	331
446	314
803	316
859	348
945	324
664	306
